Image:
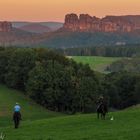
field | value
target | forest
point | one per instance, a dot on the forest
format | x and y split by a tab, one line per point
102	50
60	84
127	64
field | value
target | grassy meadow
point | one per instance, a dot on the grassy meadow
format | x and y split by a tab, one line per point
97	63
41	124
30	110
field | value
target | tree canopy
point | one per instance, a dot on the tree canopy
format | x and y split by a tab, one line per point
61	84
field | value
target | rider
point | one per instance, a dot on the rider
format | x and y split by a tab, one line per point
100	101
17	108
17	113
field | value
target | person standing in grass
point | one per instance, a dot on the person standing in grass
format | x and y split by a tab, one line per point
17	115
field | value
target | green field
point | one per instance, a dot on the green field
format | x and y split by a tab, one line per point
40	124
97	63
30	110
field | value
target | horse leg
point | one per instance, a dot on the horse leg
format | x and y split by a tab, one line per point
103	116
15	122
98	115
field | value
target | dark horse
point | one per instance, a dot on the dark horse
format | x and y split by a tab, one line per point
101	111
16	119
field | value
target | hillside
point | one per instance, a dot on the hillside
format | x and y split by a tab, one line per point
77	31
80	127
130	65
17	37
40	124
52	25
35	28
64	39
30	110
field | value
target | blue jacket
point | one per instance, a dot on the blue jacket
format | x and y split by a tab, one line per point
17	108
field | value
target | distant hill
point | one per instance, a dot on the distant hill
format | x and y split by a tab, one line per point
58	37
52	25
35	28
18	24
17	37
65	39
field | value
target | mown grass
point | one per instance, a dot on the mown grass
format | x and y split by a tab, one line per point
97	63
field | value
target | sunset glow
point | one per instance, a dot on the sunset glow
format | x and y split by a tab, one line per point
55	10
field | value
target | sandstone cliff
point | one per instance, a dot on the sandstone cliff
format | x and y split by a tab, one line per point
5	26
86	22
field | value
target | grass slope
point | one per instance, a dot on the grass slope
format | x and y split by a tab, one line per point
30	110
126	126
46	126
97	63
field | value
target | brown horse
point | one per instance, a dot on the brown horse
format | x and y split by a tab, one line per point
101	111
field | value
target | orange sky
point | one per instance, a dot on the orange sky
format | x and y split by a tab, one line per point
55	10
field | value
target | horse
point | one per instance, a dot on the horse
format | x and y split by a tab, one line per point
16	119
101	111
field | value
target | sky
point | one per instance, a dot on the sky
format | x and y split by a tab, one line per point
55	10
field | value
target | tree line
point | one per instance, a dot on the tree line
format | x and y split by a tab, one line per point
127	64
108	51
60	84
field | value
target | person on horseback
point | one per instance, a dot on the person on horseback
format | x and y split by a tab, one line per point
17	115
100	101
102	107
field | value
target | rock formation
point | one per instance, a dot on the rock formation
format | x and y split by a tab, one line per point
5	26
86	22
